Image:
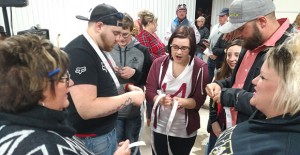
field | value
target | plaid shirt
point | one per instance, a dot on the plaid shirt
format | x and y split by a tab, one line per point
152	42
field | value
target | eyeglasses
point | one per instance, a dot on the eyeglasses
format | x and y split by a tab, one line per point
66	77
183	48
184	5
125	35
119	15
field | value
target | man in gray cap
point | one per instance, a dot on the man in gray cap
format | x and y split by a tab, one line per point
94	98
255	21
212	40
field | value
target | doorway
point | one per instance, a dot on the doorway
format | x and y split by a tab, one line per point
204	7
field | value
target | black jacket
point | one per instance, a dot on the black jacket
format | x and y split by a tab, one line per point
39	131
218	50
277	136
239	98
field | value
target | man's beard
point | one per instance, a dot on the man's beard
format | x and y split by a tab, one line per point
254	41
105	41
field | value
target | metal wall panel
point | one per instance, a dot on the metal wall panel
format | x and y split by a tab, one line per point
59	15
287	9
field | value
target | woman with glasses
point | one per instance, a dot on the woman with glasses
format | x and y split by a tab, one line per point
33	97
175	85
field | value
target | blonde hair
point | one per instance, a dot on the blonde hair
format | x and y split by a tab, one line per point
285	60
201	18
147	17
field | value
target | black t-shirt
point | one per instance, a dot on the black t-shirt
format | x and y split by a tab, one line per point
87	68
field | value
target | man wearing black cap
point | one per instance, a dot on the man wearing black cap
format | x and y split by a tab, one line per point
2	33
94	98
181	20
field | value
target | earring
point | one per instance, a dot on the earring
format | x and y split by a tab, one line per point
42	104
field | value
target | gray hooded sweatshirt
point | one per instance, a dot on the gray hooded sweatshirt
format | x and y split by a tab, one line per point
136	56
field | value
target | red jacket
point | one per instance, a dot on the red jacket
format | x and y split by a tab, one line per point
155	47
199	81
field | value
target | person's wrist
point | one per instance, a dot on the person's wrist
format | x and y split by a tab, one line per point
133	72
126	86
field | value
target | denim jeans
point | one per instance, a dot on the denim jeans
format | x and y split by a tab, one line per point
199	55
211	143
102	145
129	128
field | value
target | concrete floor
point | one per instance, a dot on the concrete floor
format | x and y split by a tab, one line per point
201	140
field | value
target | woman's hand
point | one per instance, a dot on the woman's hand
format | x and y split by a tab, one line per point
187	103
166	100
216	128
213	57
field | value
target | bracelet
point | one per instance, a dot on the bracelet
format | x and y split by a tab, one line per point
126	86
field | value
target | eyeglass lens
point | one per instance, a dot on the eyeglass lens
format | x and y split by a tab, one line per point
67	77
183	48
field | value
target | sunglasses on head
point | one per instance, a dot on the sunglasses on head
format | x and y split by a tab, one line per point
118	15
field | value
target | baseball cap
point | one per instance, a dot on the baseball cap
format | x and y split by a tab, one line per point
181	7
106	14
225	11
243	11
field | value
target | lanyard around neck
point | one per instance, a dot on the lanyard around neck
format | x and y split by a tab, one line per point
104	60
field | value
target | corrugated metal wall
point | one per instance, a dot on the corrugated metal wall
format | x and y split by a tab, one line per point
59	15
287	9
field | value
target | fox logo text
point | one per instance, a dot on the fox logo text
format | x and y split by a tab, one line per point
80	70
